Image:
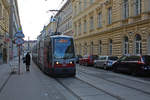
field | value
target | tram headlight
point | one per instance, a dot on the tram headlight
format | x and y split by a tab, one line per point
71	62
57	62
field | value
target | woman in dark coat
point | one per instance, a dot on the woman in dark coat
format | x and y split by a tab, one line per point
27	62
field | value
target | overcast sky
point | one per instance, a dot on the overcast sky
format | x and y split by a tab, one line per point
34	15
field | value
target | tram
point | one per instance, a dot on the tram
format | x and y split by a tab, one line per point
55	55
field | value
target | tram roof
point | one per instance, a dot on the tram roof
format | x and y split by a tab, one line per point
55	36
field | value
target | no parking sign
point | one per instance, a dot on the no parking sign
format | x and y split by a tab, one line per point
19	41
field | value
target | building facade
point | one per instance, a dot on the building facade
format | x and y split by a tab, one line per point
50	29
111	27
4	31
28	45
14	26
64	19
9	23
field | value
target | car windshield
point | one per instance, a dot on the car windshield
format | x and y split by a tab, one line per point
122	58
102	58
63	48
79	56
94	57
113	58
133	58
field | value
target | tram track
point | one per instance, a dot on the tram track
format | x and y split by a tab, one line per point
68	89
91	85
146	82
99	77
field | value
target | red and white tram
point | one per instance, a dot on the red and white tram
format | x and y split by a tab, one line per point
56	55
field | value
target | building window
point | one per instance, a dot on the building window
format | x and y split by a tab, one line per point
91	1
137	7
125	9
100	47
91	48
79	5
75	12
85	25
138	44
148	44
1	11
126	46
79	28
110	15
80	50
91	23
85	49
148	5
99	19
76	32
85	3
110	47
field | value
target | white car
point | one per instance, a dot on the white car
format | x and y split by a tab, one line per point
105	62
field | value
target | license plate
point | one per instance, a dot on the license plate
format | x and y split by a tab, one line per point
64	64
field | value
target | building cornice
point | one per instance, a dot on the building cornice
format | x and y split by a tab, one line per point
146	21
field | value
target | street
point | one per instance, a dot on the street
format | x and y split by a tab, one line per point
88	84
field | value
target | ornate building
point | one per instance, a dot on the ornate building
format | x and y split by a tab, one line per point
14	26
9	25
64	19
4	31
111	27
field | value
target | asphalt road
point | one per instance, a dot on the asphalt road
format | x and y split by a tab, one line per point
88	84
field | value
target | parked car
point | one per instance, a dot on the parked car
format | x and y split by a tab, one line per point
105	62
77	58
88	60
133	64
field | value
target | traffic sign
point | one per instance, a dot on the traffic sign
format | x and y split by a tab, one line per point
19	41
19	34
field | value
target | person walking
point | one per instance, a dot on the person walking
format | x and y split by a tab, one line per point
27	61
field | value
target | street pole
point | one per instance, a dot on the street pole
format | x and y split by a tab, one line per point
19	60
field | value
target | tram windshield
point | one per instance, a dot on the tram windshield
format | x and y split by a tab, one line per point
63	48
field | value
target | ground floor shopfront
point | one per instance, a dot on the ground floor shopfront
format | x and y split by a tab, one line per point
126	39
4	51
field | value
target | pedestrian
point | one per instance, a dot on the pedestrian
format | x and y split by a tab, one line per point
27	61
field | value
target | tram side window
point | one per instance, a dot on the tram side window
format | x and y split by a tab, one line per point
50	53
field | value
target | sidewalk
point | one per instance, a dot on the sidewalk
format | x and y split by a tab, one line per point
33	85
5	73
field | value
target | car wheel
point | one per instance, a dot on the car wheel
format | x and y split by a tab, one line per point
105	67
134	73
86	64
115	70
95	65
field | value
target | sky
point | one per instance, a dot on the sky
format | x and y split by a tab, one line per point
34	15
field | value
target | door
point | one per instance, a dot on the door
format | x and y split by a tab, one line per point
102	61
5	55
121	64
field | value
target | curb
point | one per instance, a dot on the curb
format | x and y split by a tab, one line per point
4	77
4	83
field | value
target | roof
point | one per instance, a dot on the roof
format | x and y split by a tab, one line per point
55	36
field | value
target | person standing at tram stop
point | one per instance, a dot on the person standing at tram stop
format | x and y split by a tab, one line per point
27	59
